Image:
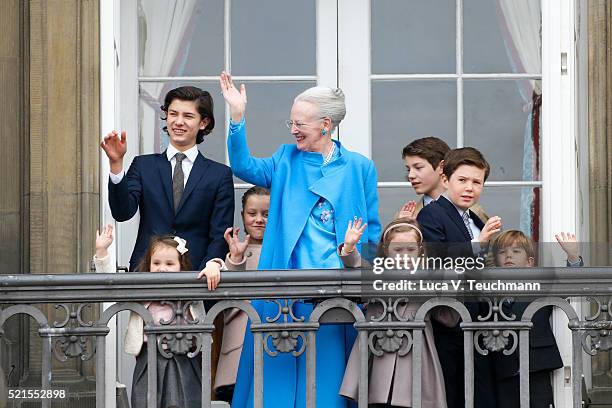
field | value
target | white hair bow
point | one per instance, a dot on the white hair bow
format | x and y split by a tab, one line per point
181	245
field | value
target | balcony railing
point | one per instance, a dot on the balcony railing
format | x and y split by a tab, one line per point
337	295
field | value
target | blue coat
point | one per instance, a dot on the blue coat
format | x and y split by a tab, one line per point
296	182
205	211
348	183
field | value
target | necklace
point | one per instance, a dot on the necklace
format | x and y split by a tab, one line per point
329	155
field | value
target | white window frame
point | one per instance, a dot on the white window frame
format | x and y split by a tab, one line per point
559	110
109	103
560	195
326	54
559	133
119	99
559	172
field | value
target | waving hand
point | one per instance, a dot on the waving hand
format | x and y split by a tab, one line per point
236	99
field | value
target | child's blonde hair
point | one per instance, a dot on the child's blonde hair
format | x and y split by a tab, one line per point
513	237
398	226
156	242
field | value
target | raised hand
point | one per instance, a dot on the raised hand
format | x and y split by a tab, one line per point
570	245
353	234
407	210
115	147
236	99
104	240
237	248
492	227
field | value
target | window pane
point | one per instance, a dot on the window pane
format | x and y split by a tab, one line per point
153	137
406	110
518	207
413	36
184	39
269	107
273	37
390	200
502	36
499	121
238	192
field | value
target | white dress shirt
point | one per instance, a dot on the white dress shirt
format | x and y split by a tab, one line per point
191	153
427	200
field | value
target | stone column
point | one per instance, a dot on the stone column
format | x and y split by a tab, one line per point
63	150
11	136
600	155
13	179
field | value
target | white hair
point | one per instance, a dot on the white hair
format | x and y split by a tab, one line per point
330	102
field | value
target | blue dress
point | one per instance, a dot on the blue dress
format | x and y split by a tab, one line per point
302	233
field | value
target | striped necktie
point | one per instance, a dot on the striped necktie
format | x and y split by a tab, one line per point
466	221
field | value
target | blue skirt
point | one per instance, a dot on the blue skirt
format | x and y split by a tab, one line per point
285	375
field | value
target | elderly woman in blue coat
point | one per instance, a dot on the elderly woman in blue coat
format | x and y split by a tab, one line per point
316	188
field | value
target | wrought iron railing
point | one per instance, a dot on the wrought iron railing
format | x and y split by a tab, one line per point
337	295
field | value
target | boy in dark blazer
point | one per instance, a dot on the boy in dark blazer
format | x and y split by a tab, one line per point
512	249
178	192
451	229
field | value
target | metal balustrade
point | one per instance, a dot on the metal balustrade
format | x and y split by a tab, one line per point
337	295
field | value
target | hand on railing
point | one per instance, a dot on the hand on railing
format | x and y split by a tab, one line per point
212	272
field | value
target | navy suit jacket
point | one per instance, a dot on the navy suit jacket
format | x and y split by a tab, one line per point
444	231
205	211
445	235
543	351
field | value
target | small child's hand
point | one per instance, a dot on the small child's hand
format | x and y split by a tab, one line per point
212	272
492	227
353	234
237	248
407	210
570	245
104	240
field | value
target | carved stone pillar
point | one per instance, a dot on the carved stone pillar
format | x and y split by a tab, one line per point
600	153
13	178
11	135
63	151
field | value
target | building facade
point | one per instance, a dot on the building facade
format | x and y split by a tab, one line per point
529	82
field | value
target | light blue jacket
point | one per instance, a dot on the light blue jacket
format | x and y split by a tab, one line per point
348	183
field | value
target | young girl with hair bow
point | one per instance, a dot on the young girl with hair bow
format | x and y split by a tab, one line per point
179	377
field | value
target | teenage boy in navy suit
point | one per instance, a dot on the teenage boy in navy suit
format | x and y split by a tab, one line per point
179	192
452	230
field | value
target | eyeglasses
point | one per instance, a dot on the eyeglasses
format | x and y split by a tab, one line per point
299	125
